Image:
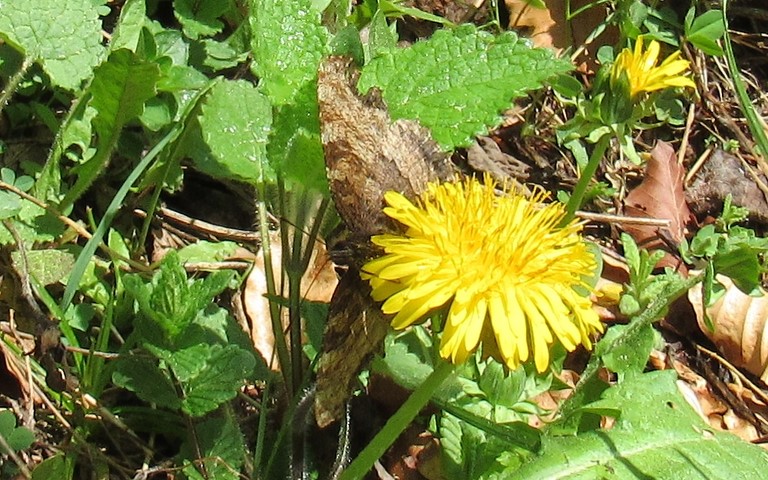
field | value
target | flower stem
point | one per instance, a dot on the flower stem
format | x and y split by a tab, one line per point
397	423
577	197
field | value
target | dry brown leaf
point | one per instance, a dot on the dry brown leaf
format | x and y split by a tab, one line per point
659	196
317	285
548	27
740	326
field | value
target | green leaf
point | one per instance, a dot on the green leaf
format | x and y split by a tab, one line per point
224	371
10	203
382	36
119	89
294	148
658	435
200	18
287	42
188	362
626	358
33	224
128	31
500	388
170	299
222	55
235	123
57	466
705	31
458	81
141	375
220	443
18	438
64	36
46	266
739	262
397	9
204	251
705	243
468	451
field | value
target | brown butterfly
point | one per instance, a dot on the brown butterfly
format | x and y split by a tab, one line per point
366	155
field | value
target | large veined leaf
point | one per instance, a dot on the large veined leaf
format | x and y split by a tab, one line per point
657	435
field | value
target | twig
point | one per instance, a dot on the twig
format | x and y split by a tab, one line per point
735	372
623	220
79	229
205	227
686	133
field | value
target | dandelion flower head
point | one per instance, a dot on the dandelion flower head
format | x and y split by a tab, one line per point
644	75
501	265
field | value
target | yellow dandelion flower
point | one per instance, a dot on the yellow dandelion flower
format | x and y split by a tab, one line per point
642	73
501	263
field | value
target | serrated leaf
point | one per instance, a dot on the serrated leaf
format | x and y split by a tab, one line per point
218	381
287	42
500	388
189	362
658	435
119	89
170	299
200	18
64	36
221	446
468	451
457	82
142	376
235	123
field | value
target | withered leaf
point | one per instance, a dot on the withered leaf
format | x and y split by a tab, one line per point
660	196
741	326
366	155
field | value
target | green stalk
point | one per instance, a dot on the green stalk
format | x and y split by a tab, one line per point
292	264
261	430
397	423
577	197
653	312
117	201
754	123
269	273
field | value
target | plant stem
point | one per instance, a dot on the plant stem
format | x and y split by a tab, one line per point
754	123
397	423
14	81
577	197
269	274
653	312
